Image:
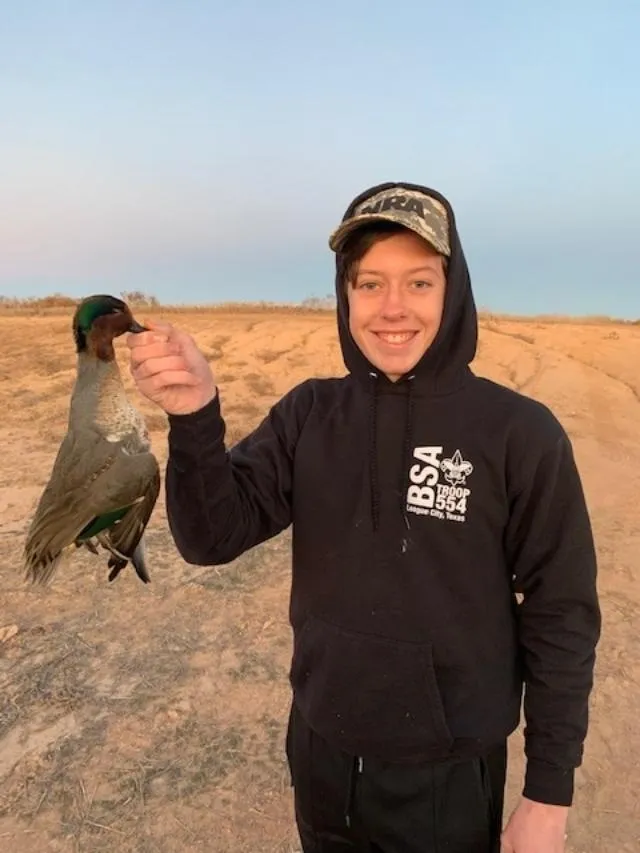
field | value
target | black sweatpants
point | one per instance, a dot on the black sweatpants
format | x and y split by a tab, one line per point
343	805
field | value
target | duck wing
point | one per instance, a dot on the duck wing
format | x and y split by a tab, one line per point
124	538
91	479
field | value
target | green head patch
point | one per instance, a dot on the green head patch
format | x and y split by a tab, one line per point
94	307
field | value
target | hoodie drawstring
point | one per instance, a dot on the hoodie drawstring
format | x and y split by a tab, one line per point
373	452
355	770
406	452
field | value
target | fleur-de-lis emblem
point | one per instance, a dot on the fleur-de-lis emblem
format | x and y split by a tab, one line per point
456	470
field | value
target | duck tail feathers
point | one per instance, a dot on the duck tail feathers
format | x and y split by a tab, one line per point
40	567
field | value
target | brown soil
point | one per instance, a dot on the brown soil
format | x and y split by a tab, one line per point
151	719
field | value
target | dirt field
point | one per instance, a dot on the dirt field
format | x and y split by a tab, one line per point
151	719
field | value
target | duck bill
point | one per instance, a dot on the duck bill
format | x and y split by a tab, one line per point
137	327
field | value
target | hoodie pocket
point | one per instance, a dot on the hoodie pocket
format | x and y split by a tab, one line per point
371	695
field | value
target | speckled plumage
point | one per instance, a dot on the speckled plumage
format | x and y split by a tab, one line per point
105	480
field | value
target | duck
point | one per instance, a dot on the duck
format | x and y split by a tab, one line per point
105	479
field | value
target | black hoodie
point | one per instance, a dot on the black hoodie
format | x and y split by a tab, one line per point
418	510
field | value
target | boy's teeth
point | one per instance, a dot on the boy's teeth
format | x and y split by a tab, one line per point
396	338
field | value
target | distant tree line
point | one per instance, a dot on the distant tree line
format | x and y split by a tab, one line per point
320	302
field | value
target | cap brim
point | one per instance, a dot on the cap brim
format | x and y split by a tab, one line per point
337	238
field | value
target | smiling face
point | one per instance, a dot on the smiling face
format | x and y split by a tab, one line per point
396	298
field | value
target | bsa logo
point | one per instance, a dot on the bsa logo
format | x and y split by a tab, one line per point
428	495
456	470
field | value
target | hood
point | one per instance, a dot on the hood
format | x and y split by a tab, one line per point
454	346
445	365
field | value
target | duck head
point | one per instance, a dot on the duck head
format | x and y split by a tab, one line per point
98	320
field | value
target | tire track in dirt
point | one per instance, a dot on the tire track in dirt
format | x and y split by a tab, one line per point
606	428
611	376
521	383
538	370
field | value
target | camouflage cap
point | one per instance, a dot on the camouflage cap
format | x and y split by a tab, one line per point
419	212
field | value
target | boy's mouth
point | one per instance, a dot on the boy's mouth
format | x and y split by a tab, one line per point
395	338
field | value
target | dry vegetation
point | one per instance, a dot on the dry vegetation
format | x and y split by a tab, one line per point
58	304
152	719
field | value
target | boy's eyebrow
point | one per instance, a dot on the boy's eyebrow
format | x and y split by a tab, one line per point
422	268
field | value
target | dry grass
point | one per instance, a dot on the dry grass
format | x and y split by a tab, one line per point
57	304
152	719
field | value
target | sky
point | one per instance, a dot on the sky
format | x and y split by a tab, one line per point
204	151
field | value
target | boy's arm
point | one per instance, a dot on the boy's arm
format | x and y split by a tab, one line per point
551	552
220	503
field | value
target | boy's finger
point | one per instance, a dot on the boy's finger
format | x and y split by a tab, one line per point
134	340
156	333
155	349
158	327
165	332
